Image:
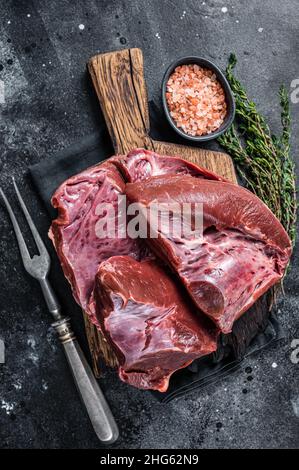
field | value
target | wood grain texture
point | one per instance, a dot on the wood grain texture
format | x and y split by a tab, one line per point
218	162
98	346
119	82
120	86
118	79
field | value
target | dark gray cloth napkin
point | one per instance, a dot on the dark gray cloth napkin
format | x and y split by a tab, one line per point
251	333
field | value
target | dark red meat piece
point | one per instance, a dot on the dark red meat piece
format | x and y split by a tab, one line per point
153	326
244	249
149	322
73	233
141	164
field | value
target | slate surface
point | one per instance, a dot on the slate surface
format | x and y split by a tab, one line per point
49	104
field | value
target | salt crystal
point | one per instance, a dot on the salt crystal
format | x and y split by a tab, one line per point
202	100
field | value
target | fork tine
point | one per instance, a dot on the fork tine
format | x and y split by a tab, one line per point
39	243
22	244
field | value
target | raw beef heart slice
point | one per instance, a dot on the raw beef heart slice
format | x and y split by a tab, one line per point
140	164
151	326
73	233
244	249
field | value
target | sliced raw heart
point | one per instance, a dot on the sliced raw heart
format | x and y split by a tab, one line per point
244	249
73	233
150	324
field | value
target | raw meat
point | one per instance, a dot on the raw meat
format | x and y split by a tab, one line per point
145	314
141	164
74	231
79	249
149	322
244	249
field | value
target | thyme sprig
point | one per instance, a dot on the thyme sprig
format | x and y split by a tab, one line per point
263	160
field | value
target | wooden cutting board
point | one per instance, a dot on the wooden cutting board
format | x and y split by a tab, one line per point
118	78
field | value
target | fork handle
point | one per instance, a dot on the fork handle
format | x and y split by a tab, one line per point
96	405
51	299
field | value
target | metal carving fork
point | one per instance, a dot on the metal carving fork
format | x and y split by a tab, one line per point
38	267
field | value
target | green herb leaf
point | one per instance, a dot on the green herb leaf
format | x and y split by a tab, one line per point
263	161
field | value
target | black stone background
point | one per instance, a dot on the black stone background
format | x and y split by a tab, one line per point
49	104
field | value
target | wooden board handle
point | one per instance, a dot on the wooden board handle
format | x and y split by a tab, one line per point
119	82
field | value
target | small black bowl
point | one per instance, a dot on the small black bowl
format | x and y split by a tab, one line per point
231	107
